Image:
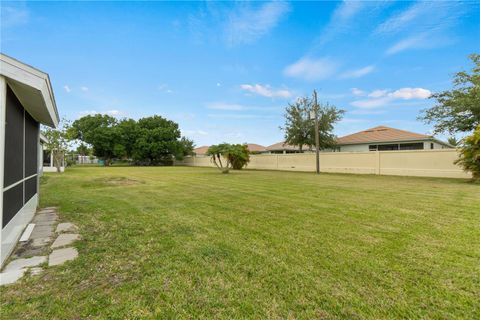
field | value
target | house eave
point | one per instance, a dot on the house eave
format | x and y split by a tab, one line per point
33	88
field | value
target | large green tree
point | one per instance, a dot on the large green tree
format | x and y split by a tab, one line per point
458	109
300	127
102	133
158	141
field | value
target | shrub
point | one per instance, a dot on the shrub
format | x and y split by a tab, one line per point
239	156
470	154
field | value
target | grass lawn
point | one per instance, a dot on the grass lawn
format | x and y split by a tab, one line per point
174	242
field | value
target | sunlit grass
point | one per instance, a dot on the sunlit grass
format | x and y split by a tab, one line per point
177	242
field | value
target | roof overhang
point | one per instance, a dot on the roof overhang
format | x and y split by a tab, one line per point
32	88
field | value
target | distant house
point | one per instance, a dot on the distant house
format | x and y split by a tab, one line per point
383	138
253	147
282	147
47	158
379	138
26	101
200	151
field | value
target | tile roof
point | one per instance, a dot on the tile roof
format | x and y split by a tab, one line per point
283	146
253	147
200	150
381	134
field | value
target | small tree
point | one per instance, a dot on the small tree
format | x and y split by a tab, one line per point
300	128
239	156
227	156
57	142
470	154
186	148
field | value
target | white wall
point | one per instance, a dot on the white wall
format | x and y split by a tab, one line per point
14	228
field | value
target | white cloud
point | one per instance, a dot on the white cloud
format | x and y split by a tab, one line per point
371	103
13	15
84	89
357	92
67	88
380	98
401	20
416	41
426	23
411	93
219	84
378	93
341	19
224	106
266	91
113	112
357	73
246	24
423	16
311	69
195	132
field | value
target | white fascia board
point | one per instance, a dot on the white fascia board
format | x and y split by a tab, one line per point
37	80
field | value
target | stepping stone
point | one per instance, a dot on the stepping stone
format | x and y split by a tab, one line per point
41	242
41	232
66	227
60	256
9	277
29	252
23	263
45	217
65	239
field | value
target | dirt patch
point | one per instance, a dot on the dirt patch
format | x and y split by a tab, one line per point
119	181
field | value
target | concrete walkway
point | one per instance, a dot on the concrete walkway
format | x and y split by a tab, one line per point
32	255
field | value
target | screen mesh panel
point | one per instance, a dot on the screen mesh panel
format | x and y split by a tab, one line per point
12	203
31	145
13	171
30	188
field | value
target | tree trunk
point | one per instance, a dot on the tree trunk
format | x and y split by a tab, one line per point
57	160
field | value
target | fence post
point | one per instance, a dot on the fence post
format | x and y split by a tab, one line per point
277	161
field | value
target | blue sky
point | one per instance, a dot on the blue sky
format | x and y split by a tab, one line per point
225	71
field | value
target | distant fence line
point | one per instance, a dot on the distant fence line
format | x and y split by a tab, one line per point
420	163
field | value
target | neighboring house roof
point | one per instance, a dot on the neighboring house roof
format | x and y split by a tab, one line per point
280	146
200	150
253	147
33	88
381	134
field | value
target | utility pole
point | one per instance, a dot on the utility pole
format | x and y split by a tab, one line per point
317	137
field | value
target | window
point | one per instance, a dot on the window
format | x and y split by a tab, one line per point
372	147
387	147
411	146
431	145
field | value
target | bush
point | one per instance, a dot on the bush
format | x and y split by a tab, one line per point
239	156
470	154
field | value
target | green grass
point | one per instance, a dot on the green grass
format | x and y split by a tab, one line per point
177	242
